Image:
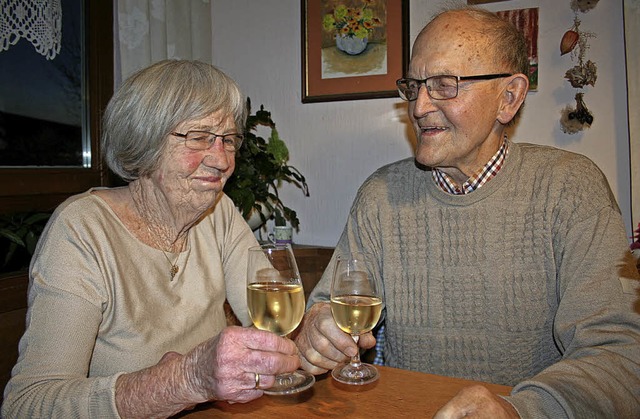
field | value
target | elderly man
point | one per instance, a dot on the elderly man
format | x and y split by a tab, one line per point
503	262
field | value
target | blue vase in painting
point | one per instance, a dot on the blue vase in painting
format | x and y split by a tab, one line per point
352	45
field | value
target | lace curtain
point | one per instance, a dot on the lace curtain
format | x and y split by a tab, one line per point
148	31
39	22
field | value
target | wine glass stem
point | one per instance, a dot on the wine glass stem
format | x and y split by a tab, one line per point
285	379
355	360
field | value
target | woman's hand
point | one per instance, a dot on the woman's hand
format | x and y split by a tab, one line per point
322	344
225	367
221	368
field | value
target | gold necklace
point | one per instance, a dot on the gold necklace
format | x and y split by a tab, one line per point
174	267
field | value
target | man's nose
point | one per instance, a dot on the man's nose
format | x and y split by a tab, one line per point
423	103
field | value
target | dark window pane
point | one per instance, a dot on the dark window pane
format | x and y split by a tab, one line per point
42	108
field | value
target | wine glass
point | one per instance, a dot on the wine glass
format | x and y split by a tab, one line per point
356	305
276	303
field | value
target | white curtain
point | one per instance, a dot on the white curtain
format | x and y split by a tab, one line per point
147	31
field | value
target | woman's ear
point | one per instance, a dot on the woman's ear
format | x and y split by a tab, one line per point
513	97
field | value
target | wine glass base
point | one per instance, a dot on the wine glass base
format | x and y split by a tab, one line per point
358	376
292	383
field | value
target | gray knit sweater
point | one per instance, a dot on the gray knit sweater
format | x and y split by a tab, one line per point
519	283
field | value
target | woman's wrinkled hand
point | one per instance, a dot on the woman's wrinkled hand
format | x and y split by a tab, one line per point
225	367
322	344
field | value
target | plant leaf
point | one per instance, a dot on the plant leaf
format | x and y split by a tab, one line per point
12	237
261	167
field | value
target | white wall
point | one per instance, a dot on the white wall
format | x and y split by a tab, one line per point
336	145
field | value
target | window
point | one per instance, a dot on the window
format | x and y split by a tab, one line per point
42	110
58	168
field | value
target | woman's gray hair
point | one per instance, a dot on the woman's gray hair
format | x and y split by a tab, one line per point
153	102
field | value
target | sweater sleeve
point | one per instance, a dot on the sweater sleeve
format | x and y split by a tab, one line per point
51	376
361	233
597	326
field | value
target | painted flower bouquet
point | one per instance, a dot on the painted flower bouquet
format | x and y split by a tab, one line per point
351	22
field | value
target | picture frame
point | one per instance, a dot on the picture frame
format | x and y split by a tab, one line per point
631	14
358	68
526	20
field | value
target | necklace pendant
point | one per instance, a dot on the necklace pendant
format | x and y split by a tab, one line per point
173	271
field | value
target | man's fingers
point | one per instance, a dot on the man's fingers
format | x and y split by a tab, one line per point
367	341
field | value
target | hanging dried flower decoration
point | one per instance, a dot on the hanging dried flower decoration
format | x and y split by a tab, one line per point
575	41
569	41
582	74
583	5
576	119
585	73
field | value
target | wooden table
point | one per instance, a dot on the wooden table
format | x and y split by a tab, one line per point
398	393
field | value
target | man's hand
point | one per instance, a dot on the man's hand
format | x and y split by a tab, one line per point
477	402
322	344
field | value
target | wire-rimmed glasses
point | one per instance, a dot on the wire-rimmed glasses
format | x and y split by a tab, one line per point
202	140
439	87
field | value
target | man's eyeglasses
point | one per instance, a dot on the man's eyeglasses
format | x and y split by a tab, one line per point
438	87
202	140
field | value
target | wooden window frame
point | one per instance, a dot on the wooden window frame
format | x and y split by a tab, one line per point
42	189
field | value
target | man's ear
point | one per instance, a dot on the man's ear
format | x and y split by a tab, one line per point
513	97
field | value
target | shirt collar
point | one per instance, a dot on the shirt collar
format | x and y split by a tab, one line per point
488	171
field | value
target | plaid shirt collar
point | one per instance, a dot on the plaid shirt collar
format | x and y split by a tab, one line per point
489	170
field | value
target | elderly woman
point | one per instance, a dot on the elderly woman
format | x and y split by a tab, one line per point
127	284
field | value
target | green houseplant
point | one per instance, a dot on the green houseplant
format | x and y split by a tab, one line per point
19	233
261	168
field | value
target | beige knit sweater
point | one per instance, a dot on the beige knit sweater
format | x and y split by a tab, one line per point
101	303
517	283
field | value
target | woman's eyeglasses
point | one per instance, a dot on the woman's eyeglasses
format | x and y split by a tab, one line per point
203	140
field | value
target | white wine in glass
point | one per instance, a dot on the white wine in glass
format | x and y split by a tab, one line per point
275	306
275	298
356	305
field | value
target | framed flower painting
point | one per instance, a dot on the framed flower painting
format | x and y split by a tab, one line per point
353	49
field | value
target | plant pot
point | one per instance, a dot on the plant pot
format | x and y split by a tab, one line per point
255	221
